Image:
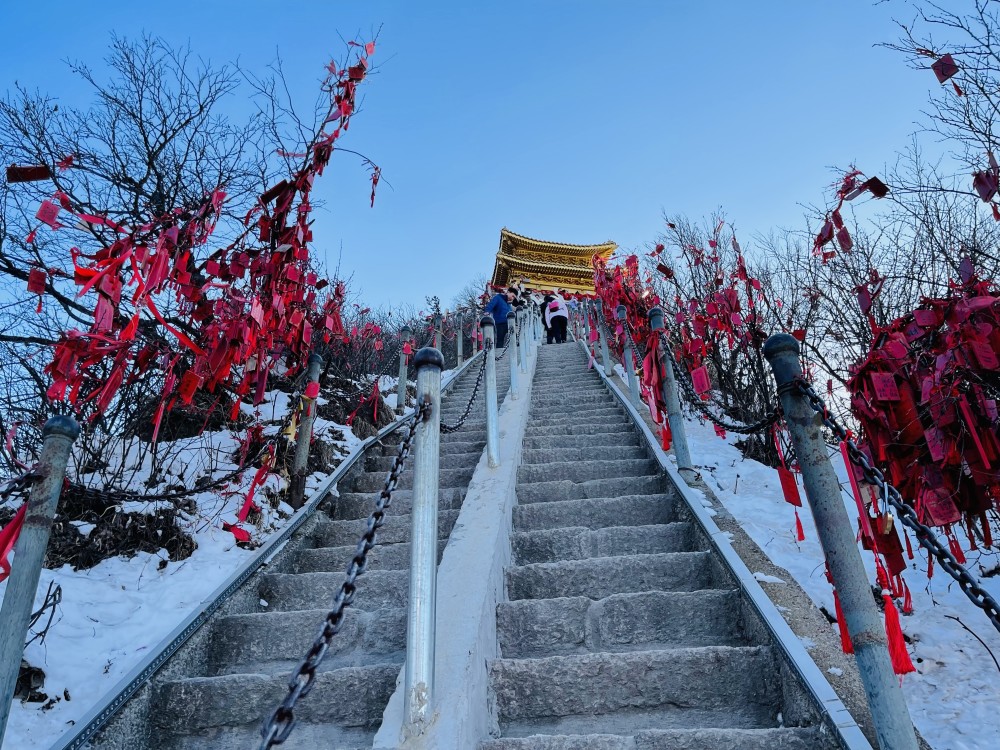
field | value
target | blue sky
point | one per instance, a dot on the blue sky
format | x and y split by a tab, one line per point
570	121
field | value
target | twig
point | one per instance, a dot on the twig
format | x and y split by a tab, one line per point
956	619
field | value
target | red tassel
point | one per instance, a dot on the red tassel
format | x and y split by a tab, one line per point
845	637
901	663
800	534
896	586
930	566
666	437
907	600
909	549
956	549
969	530
987	531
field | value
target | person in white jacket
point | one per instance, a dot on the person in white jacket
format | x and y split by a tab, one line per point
557	318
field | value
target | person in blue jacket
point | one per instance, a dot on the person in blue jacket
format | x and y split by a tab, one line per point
498	307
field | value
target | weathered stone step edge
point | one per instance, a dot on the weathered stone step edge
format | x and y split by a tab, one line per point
337	533
264	637
376	589
580	542
565	489
532	628
710	677
796	738
584	471
304	737
599	577
531	456
394	556
597	512
357	697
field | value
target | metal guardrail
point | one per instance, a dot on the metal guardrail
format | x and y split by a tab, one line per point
129	685
835	714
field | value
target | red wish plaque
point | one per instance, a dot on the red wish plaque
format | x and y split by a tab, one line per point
699	376
885	386
36	281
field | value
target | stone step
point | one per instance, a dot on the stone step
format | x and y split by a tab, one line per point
356	698
581	441
564	489
376	589
620	622
303	737
375	480
465	460
471	444
584	471
395	529
463	436
275	642
352	505
333	559
804	738
543	394
604	576
579	542
597	513
734	681
597	453
540	429
576	414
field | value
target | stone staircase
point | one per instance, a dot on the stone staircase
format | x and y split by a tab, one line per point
251	656
622	630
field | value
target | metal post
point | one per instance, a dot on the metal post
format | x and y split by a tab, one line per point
585	307
405	334
885	697
512	339
459	344
474	335
297	487
492	408
422	605
522	340
602	333
437	331
633	386
29	552
670	396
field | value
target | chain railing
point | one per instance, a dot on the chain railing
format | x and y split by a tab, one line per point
684	378
449	428
279	725
907	515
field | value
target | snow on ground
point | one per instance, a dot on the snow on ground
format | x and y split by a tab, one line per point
954	695
117	612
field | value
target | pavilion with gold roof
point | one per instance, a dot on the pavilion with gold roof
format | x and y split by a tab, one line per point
537	264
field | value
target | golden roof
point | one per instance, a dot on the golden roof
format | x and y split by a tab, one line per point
547	265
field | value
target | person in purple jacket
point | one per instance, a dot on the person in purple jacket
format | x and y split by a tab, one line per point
498	307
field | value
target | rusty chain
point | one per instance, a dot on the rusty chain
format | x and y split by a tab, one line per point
684	378
907	515
278	726
18	484
447	428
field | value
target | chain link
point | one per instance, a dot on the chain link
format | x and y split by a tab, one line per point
447	428
684	378
277	728
19	484
907	515
390	360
